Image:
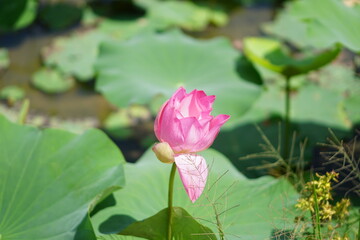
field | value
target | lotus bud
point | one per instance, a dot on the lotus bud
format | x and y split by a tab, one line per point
164	152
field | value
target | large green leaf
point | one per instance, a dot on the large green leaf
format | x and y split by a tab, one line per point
184	227
271	54
248	209
16	14
149	65
49	179
313	23
339	20
328	99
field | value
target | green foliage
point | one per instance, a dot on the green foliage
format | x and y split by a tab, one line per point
4	58
248	209
60	15
313	23
74	55
157	64
50	178
17	14
271	54
124	29
121	123
51	81
12	93
184	226
326	99
183	14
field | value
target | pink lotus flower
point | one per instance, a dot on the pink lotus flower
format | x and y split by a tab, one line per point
184	127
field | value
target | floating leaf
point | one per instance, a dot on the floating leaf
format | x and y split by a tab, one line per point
124	29
12	93
52	15
49	178
17	14
271	54
247	209
51	81
157	64
74	55
184	226
118	124
183	14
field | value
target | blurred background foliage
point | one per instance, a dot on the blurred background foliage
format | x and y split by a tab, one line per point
110	64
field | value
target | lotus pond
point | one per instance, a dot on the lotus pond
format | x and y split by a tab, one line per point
169	119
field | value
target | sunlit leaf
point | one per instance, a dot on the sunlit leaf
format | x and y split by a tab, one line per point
49	178
12	93
17	14
247	209
51	81
313	23
185	14
149	65
271	54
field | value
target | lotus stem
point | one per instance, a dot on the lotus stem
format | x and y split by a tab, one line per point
170	200
24	111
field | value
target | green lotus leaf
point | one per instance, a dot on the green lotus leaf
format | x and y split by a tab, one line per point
137	70
49	179
329	101
311	23
270	54
53	15
74	55
18	14
51	81
290	28
352	108
342	23
184	14
117	237
4	58
120	29
184	226
247	209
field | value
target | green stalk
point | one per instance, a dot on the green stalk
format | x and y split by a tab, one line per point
287	121
24	111
170	199
317	215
